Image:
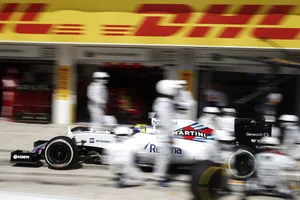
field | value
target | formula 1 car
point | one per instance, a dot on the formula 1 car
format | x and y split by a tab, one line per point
190	143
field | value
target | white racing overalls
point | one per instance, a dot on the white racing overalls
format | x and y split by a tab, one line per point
165	112
97	96
290	140
185	104
269	168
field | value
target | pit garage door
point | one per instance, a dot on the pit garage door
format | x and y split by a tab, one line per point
238	74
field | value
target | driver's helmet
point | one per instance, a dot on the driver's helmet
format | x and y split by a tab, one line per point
139	128
288	120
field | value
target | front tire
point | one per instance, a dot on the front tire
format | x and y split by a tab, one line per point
61	153
207	180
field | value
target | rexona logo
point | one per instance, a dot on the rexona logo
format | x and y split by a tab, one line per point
157	149
20	157
194	131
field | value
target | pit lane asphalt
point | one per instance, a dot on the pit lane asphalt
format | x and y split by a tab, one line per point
86	182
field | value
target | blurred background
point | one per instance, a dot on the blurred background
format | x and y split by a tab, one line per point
233	55
223	77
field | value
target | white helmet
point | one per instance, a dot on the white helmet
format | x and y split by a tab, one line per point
166	87
100	76
270	119
182	83
289	118
211	110
269	143
229	111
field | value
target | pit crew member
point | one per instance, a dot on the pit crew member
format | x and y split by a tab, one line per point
97	95
210	117
289	135
164	109
184	101
270	163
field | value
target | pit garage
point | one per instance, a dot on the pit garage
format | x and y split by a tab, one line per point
131	85
242	74
26	73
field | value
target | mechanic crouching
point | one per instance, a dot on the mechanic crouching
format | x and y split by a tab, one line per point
270	163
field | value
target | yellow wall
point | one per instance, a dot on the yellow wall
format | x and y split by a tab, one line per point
125	22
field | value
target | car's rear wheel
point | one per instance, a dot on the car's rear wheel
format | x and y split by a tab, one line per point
61	153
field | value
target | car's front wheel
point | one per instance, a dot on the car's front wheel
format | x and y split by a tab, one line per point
61	153
207	180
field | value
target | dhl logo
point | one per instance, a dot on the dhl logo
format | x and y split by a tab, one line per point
155	22
27	24
152	25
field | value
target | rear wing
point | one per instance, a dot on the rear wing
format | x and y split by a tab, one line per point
248	131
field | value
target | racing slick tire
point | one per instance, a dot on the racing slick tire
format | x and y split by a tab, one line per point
207	180
61	153
244	167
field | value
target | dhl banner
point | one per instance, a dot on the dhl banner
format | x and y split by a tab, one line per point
181	22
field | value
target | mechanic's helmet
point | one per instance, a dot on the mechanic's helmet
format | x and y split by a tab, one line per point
229	112
211	111
167	87
182	84
122	133
288	120
101	77
270	119
269	143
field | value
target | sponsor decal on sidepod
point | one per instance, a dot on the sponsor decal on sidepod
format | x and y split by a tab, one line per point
153	148
195	132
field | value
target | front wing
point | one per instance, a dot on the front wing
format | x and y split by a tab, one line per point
29	157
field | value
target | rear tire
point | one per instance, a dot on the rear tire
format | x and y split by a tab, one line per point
243	175
61	153
207	180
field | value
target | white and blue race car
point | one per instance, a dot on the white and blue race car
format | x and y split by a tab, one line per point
191	142
194	145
